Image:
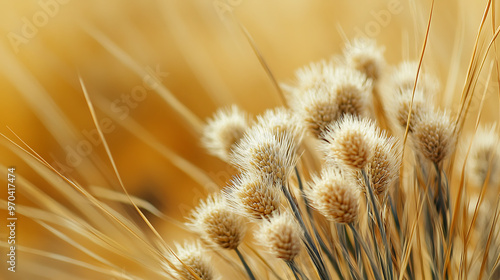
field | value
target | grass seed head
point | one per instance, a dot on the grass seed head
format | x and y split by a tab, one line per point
352	92
403	79
281	122
364	55
335	197
484	156
434	137
314	76
401	108
383	168
350	142
255	197
214	220
264	154
316	110
194	256
224	131
281	236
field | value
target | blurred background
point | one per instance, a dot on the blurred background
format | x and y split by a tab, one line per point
198	51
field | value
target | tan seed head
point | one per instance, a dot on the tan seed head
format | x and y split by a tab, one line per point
282	236
214	220
316	110
383	168
484	157
365	56
255	197
335	197
224	131
264	154
194	256
349	142
352	92
401	108
434	137
281	122
314	76
403	79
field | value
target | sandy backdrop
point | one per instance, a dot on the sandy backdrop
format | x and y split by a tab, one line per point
197	50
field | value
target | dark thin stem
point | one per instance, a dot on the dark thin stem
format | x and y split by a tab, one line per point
359	260
441	203
381	227
395	215
310	246
247	268
301	187
322	244
429	226
367	252
343	245
299	180
329	255
444	208
373	234
296	271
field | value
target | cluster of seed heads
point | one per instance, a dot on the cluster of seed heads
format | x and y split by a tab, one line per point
331	107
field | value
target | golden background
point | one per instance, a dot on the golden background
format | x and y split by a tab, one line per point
205	61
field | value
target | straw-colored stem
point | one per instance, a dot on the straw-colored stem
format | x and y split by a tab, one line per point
368	252
343	245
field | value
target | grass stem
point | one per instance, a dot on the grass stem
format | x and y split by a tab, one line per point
310	246
247	268
381	226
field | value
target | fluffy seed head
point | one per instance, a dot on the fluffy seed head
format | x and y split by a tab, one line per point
281	121
383	168
255	197
484	156
224	131
349	142
365	56
401	108
403	79
348	93
196	258
434	137
315	76
316	110
282	236
335	197
352	92
263	154
217	224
